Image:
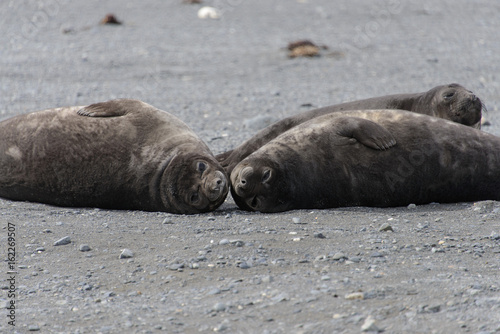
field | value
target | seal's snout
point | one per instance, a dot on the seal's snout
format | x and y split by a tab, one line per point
242	179
217	186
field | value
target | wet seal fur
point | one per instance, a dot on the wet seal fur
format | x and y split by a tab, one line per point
120	154
376	158
452	102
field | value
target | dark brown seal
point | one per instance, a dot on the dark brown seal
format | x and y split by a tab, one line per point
452	102
377	158
120	154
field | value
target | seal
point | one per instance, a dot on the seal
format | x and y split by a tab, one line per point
452	102
120	154
375	158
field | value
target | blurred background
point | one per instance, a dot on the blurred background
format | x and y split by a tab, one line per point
229	76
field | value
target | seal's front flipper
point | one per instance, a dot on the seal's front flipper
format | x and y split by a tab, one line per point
366	132
113	108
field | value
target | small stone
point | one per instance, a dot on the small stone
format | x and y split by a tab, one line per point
355	259
220	307
84	248
176	266
296	220
385	227
244	265
319	235
237	243
168	220
110	19
126	254
338	256
208	13
412	206
369	325
33	328
63	241
224	242
40	249
354	295
376	254
214	291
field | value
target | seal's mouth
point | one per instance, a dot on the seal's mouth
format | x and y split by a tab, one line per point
469	111
215	186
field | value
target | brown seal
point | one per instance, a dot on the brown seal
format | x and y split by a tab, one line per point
452	102
377	158
120	154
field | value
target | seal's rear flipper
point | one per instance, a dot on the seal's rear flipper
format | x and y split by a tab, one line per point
113	108
366	132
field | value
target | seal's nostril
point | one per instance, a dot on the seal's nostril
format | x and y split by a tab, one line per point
243	181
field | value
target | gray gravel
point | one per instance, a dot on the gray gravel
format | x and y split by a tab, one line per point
435	270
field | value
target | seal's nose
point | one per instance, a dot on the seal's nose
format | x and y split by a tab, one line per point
243	182
245	173
219	182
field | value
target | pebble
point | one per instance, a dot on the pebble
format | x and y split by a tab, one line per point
126	254
244	265
224	242
168	220
369	325
63	241
33	328
376	254
296	220
40	249
319	235
412	206
354	295
214	291
385	227
208	12
338	256
84	248
237	243
220	307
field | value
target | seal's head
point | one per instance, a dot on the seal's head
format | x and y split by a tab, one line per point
193	183
259	185
457	104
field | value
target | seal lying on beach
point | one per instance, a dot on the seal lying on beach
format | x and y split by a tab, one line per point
341	159
452	102
120	154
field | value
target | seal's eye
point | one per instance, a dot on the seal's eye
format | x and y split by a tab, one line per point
201	166
266	175
448	95
194	198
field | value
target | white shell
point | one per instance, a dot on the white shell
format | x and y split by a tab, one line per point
208	13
